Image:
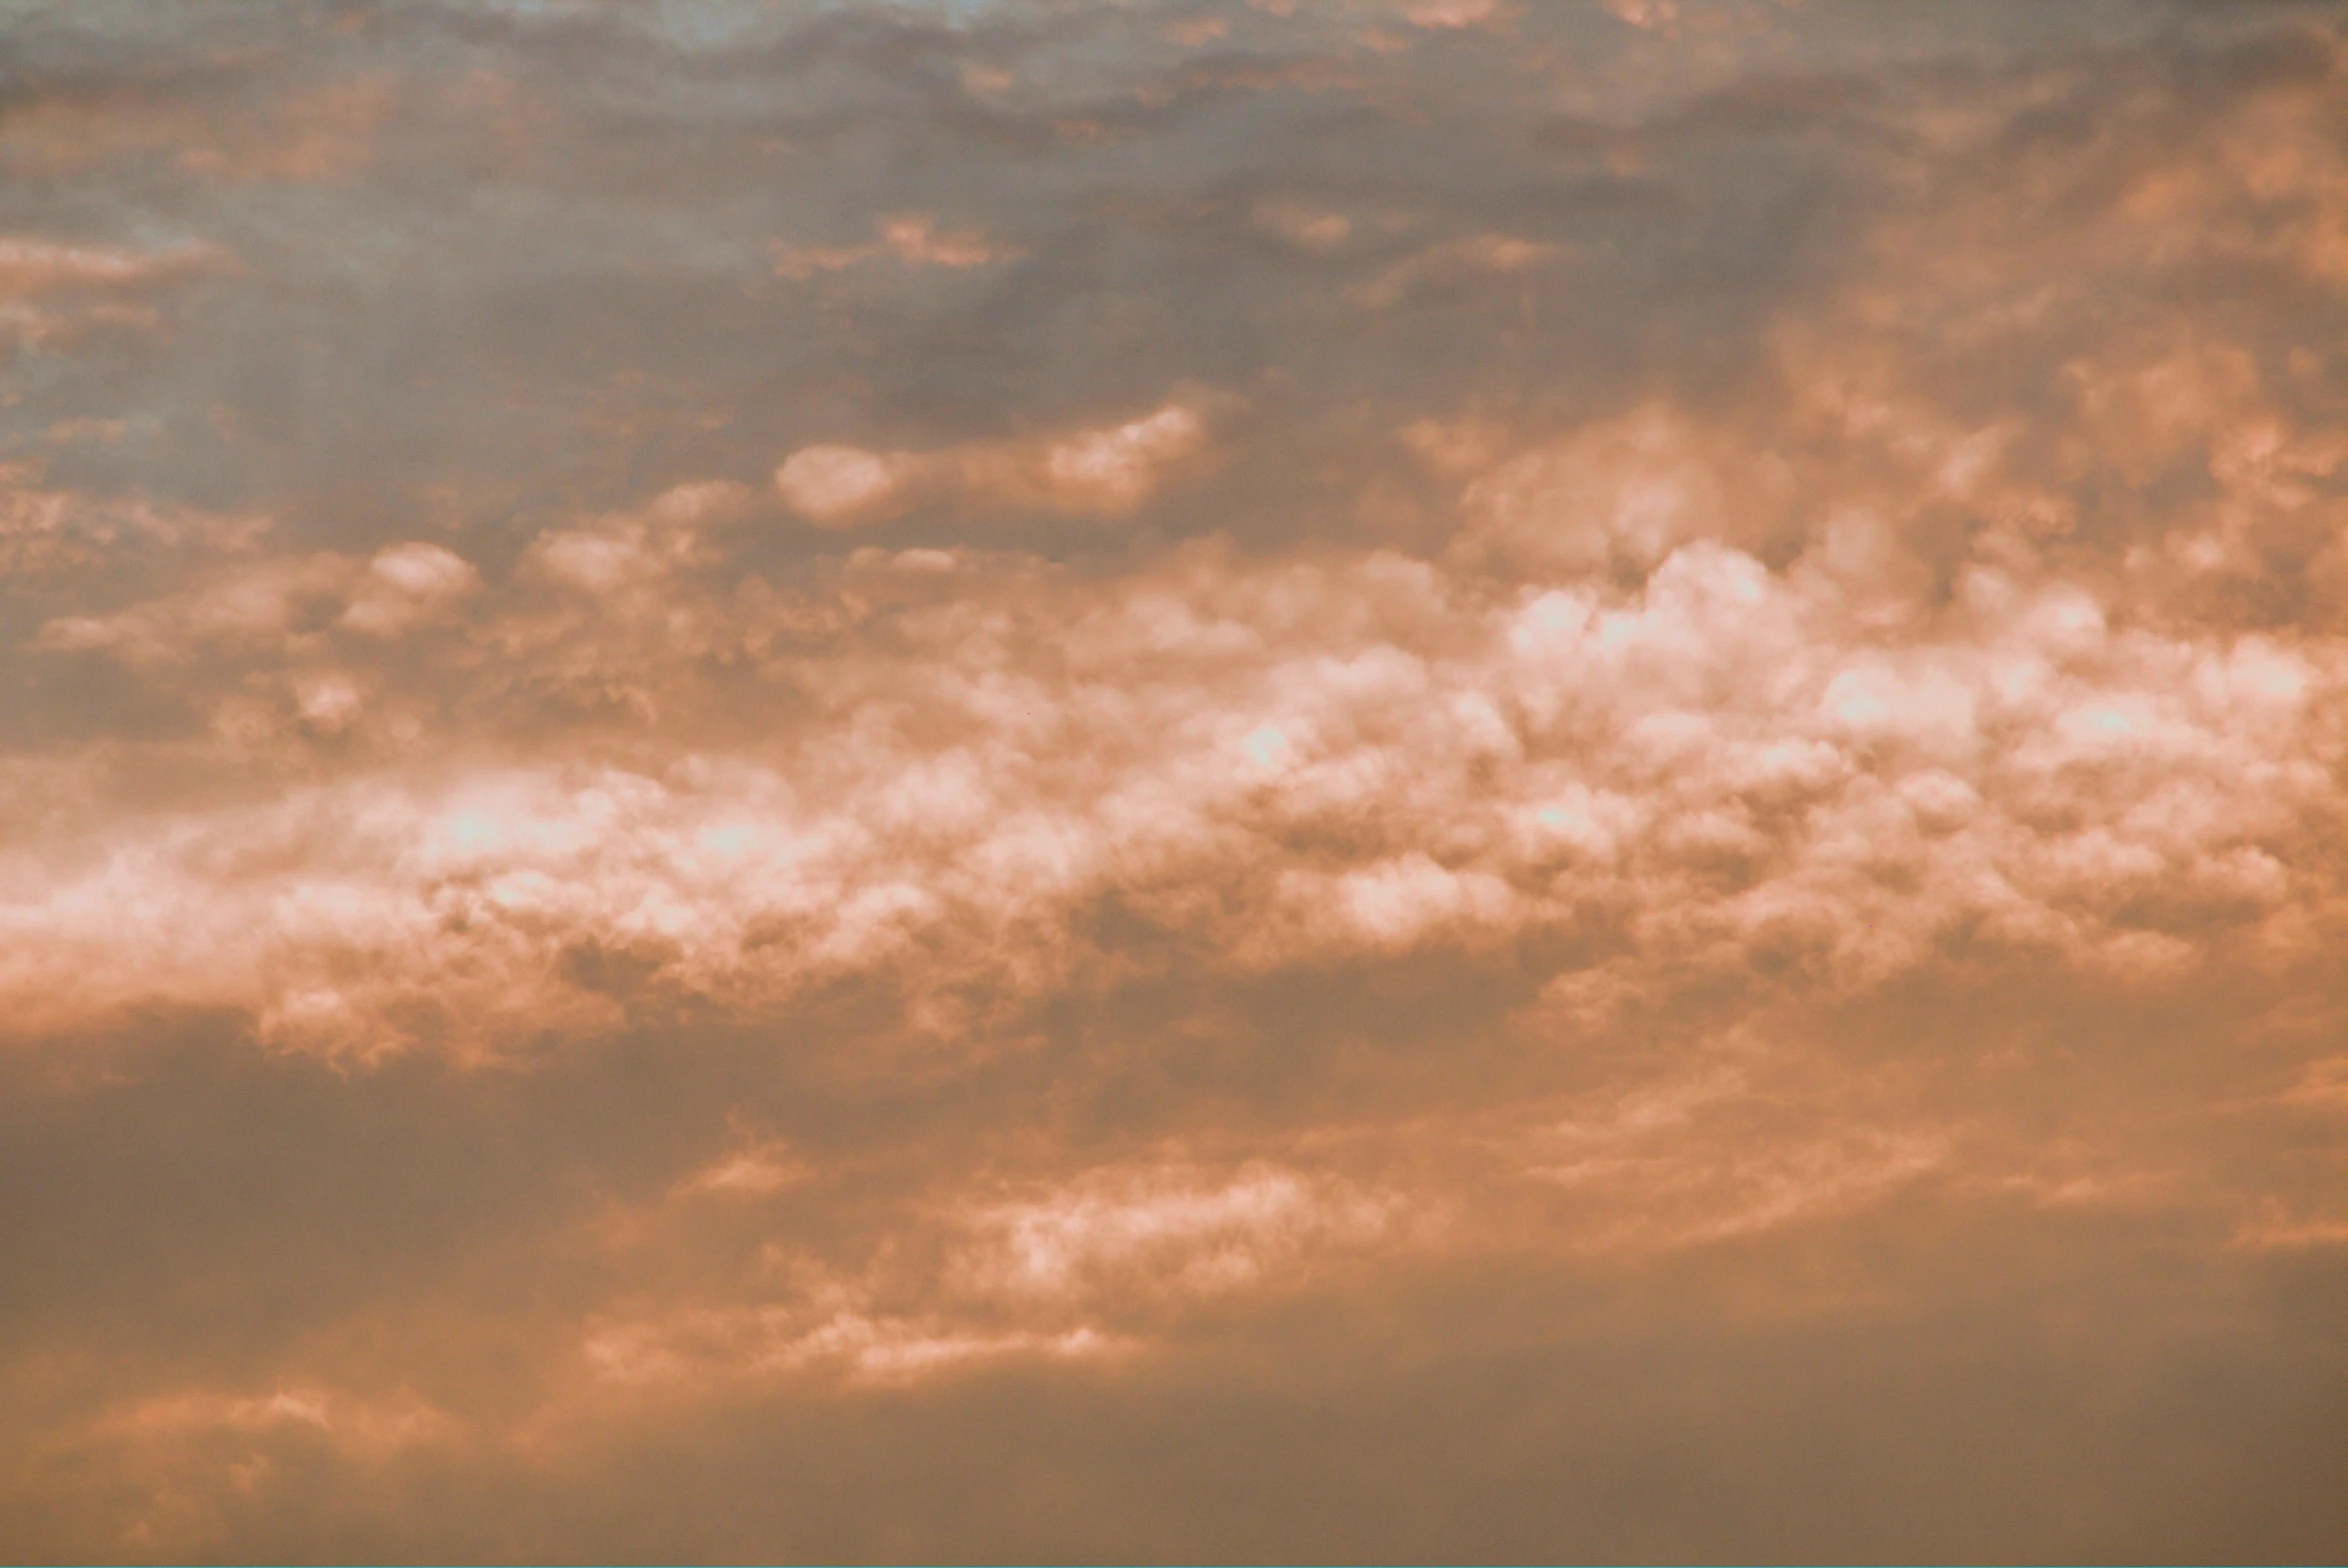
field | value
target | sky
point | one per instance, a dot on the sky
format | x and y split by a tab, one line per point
1441	780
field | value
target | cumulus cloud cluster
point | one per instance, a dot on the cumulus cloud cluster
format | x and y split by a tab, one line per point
1622	725
1687	714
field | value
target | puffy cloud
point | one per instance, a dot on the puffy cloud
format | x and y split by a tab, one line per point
277	605
832	485
1103	471
406	585
50	531
1355	753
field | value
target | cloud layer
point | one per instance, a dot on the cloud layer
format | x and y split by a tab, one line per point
1221	781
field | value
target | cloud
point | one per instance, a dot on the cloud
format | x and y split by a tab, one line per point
366	1427
1454	263
833	483
1733	761
407	585
1304	227
1103	471
1083	1272
321	132
910	238
727	1345
1452	13
280	605
905	751
51	294
33	266
1167	1228
327	133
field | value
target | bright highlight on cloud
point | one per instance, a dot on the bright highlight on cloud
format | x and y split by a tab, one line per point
943	756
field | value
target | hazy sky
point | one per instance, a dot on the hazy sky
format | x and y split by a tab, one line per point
1441	779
